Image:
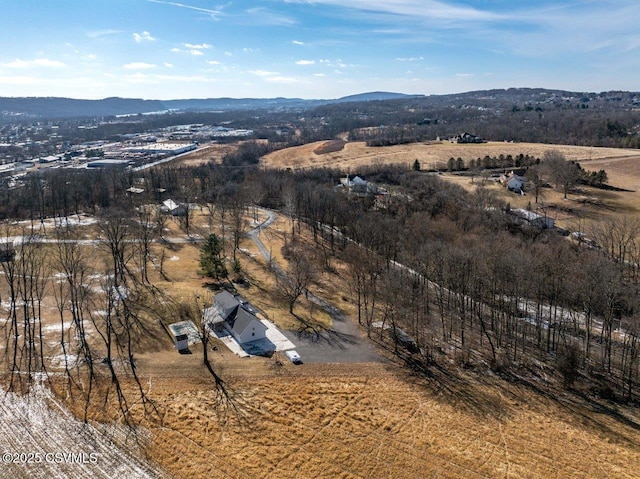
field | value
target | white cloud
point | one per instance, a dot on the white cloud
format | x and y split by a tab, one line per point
410	59
319	75
38	62
44	62
263	73
175	50
169	79
262	16
281	79
424	9
464	75
305	62
197	46
138	66
213	62
143	37
168	65
213	13
102	33
275	77
296	42
229	54
196	52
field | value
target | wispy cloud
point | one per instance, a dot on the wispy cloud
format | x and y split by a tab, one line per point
283	80
410	59
138	66
143	37
275	77
263	73
424	9
102	33
146	78
197	46
263	16
212	62
197	53
297	42
213	13
305	62
38	62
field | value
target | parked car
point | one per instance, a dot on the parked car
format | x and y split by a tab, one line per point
293	356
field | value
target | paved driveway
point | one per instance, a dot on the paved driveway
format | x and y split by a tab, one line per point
343	343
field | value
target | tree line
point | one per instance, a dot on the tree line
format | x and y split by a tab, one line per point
450	270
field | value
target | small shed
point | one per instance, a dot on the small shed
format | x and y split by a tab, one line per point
184	334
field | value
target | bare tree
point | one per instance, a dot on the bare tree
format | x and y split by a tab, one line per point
144	232
618	237
297	276
535	177
563	173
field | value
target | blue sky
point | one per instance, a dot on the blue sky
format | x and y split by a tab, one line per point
164	49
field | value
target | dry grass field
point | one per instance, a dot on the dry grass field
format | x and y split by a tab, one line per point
213	152
355	155
583	206
374	421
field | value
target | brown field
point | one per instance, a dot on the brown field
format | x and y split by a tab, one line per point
583	206
374	421
356	154
213	152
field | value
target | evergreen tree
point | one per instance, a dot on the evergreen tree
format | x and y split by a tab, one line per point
211	258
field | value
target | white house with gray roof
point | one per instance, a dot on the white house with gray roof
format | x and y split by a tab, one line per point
236	316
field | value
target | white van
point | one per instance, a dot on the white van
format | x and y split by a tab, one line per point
293	356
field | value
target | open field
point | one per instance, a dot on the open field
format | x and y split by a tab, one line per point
356	154
376	421
583	206
213	152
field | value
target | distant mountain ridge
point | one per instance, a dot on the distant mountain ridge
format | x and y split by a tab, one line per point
57	107
54	107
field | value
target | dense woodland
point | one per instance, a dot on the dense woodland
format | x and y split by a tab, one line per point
437	274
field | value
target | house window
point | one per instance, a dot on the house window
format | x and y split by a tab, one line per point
253	334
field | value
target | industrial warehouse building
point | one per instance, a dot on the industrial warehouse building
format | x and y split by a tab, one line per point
163	148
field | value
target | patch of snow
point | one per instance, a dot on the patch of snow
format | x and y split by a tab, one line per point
36	424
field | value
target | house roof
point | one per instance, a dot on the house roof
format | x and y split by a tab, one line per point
212	316
226	304
245	320
170	204
239	317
